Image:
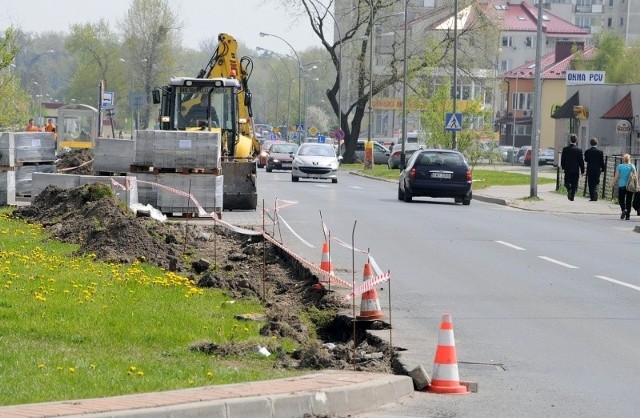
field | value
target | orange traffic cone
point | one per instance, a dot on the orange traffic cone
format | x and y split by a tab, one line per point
326	263
370	305
445	377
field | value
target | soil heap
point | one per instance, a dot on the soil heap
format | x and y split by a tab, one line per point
94	218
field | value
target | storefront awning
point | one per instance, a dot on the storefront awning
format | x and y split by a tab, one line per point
566	110
621	110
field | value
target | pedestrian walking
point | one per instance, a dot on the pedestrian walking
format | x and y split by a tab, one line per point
620	179
594	158
572	164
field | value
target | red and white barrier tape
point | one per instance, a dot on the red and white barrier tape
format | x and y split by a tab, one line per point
367	285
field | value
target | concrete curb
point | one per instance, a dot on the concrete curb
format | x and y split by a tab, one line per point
325	393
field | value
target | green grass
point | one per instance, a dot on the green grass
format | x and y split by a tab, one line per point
72	327
481	178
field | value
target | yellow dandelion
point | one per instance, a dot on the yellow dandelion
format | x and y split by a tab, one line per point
246	329
41	366
209	374
93	366
133	368
72	369
191	382
140	373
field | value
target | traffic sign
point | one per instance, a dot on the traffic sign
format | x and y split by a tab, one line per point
108	99
453	122
340	134
322	139
300	128
273	136
313	130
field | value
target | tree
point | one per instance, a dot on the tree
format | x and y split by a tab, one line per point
97	52
151	39
363	15
14	102
618	61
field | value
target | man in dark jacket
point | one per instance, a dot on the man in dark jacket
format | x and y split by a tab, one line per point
572	163
595	165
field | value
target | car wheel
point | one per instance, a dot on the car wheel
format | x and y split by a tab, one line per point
294	179
334	180
458	200
400	194
466	202
407	196
260	165
268	169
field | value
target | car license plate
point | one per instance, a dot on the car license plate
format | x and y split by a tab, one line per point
440	175
286	165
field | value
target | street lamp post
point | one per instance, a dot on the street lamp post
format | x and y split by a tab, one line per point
27	72
289	82
404	91
263	34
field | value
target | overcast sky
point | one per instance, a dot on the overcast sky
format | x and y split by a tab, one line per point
203	19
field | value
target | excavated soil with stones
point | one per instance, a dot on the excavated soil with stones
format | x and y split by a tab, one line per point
240	265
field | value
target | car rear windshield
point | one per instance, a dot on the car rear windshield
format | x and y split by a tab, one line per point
284	148
440	158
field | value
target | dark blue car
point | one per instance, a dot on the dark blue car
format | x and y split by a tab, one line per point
436	173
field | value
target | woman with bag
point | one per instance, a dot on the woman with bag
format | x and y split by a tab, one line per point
625	177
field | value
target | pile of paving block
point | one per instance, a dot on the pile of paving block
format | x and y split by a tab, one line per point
22	154
159	168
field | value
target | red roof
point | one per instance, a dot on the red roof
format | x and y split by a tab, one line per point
551	68
523	17
621	110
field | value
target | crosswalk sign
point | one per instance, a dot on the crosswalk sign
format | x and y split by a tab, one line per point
453	122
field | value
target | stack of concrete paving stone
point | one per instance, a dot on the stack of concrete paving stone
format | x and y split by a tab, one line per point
22	154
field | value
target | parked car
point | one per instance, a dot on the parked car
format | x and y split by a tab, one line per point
526	160
380	153
396	151
547	156
264	151
508	153
436	173
521	152
315	161
280	156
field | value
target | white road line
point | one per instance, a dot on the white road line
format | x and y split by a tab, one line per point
560	263
515	247
609	279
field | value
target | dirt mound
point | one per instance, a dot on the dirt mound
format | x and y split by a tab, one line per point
77	161
94	218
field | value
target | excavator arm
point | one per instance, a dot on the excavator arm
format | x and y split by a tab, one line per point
224	64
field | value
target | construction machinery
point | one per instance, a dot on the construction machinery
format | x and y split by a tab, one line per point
219	100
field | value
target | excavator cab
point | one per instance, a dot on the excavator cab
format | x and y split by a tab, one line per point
211	104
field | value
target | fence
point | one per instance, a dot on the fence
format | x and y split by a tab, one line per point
606	187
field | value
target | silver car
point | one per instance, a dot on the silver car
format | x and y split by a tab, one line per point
396	152
315	161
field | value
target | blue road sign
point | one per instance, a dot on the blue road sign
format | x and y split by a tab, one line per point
322	139
453	122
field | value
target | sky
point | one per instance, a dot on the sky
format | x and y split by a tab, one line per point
203	19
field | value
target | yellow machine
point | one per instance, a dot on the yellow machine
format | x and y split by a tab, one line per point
219	100
77	126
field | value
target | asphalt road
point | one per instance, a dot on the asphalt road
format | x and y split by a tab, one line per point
544	306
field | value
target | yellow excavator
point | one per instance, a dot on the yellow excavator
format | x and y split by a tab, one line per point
219	100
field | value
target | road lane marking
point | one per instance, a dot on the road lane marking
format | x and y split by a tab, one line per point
515	247
609	279
560	263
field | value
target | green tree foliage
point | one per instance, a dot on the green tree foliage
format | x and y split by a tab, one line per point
14	102
97	53
152	39
618	61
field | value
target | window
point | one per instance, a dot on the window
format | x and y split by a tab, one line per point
609	22
610	3
523	130
507	41
528	41
504	65
522	101
622	21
